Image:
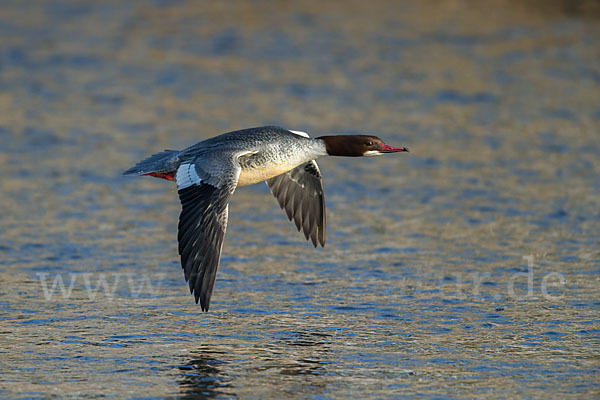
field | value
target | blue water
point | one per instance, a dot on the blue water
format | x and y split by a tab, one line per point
466	268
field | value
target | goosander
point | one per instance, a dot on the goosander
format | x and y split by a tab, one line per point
208	172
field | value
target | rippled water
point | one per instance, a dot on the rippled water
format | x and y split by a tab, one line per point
422	291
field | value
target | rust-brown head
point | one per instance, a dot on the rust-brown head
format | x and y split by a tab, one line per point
357	146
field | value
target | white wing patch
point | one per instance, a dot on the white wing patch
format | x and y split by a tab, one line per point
299	133
187	176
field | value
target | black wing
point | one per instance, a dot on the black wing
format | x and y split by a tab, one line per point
202	225
300	193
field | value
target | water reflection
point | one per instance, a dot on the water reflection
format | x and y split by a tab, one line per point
302	357
305	338
202	377
311	356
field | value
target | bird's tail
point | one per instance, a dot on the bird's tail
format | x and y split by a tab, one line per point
161	165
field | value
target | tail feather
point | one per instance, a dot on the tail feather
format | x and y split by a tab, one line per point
162	163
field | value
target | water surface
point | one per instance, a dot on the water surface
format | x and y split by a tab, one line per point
422	291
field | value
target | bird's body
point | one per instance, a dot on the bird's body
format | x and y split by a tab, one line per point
208	172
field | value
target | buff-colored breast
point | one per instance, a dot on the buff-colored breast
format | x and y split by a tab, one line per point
249	176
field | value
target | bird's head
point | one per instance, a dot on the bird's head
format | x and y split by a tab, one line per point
357	146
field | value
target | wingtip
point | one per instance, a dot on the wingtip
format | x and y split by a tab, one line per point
204	304
322	234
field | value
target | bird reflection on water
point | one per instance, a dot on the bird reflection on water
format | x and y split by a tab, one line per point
211	371
203	378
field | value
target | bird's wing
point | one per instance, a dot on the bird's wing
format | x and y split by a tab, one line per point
300	193
204	197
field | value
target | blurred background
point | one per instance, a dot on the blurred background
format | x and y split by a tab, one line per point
498	102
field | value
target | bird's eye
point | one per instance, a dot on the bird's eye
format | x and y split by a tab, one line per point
369	143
